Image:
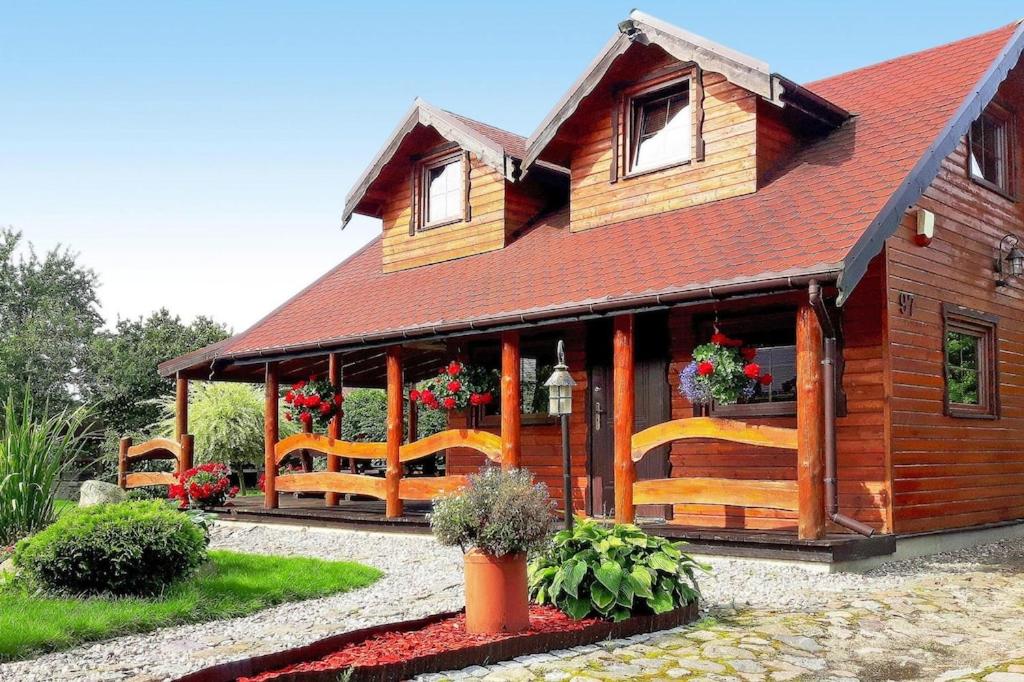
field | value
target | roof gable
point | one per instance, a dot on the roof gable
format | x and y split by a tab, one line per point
499	149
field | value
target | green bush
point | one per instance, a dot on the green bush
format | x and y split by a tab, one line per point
129	548
612	571
498	512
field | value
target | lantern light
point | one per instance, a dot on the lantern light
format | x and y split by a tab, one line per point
1012	265
560	386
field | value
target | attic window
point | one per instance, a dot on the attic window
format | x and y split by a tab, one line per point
990	144
442	191
661	128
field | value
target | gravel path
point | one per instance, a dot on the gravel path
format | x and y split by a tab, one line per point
422	578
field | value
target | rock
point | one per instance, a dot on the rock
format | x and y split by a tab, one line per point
1004	677
100	492
7	568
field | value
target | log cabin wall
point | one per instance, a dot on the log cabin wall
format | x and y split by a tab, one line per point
729	168
952	472
484	231
542	442
860	437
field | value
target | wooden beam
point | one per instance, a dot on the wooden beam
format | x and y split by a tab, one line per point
180	406
270	434
511	409
334	429
122	462
414	428
625	408
393	474
810	426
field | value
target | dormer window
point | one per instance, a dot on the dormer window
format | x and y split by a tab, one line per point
990	158
442	190
661	125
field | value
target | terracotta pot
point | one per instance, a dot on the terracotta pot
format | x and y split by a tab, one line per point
497	597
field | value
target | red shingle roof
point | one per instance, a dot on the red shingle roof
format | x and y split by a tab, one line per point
806	220
514	145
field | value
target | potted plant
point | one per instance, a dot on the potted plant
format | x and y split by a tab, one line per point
723	371
498	517
203	487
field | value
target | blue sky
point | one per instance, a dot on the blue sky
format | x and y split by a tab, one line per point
197	154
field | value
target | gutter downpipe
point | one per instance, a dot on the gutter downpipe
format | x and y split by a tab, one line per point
829	376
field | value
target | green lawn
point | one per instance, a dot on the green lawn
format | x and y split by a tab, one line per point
230	585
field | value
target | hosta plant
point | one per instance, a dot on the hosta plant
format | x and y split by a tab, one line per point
613	572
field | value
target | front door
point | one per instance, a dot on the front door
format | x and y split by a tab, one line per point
652	407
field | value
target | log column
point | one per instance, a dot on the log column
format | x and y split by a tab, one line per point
180	407
334	428
122	462
188	443
810	424
511	410
270	435
623	373
393	476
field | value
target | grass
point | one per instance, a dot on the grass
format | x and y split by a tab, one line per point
228	586
61	506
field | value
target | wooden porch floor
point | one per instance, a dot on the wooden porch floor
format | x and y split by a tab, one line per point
368	514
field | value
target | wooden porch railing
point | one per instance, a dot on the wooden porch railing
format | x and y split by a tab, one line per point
396	488
772	494
157	448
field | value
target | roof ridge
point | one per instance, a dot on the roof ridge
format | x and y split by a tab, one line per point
910	55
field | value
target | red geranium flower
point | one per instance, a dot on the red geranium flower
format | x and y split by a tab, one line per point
705	368
449	402
748	353
414	395
719	339
338	399
298	385
454	385
766	379
753	370
454	368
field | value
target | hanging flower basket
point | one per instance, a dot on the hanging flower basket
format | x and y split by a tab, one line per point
202	487
312	403
457	387
722	372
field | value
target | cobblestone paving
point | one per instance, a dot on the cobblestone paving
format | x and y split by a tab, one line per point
955	620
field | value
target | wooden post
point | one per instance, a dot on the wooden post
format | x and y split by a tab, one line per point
511	447
306	459
625	408
180	407
810	426
414	427
188	444
270	434
122	462
393	475
334	428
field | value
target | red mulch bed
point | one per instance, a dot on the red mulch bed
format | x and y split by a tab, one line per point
441	637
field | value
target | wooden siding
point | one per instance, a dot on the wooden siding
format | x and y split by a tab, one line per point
485	231
954	472
776	141
542	443
729	168
860	443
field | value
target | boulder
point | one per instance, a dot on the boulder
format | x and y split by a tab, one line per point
6	568
100	492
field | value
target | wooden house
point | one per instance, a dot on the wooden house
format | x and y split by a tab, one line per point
860	231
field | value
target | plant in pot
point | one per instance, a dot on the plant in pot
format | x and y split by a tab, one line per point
499	516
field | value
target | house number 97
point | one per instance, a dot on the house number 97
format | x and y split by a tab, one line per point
906	302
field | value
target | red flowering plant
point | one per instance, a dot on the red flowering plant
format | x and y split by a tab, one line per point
204	486
457	387
312	402
722	371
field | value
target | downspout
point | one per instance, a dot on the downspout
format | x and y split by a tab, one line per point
829	377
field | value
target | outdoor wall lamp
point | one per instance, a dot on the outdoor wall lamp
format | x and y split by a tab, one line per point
1012	265
560	386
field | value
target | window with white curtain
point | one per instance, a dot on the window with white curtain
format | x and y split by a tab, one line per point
662	129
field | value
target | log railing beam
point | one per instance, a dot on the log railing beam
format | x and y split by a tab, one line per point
810	426
623	373
393	474
270	435
334	428
511	409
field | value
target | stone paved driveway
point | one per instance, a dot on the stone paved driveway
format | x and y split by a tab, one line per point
959	618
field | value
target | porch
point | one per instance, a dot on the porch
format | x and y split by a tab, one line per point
764	486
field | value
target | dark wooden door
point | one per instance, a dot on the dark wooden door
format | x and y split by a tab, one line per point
652	407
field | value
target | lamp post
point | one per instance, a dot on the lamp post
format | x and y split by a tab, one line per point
1013	264
560	386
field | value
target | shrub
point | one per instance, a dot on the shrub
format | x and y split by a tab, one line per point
128	548
35	449
498	512
612	571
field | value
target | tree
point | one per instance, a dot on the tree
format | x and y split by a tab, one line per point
48	315
121	367
366	417
227	422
